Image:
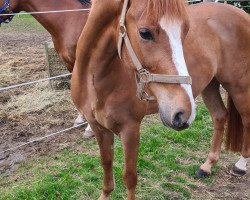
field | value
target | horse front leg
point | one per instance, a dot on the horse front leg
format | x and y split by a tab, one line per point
212	99
105	141
130	139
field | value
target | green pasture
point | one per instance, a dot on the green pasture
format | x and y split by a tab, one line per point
166	167
21	24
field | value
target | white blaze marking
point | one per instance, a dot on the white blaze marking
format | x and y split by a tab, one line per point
173	31
242	164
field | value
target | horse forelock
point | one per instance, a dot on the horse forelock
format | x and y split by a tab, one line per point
170	9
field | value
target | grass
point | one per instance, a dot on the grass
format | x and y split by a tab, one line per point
166	167
22	23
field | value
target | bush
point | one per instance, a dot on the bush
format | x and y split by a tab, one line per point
244	5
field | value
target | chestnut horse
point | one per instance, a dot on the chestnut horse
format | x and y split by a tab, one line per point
109	91
103	95
66	34
217	50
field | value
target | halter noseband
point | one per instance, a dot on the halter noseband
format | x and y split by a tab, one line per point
6	7
143	76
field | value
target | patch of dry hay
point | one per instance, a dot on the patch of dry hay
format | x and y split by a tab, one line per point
37	100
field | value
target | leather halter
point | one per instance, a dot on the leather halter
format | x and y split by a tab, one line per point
6	7
143	76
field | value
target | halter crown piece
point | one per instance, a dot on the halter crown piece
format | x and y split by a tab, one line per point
6	8
143	76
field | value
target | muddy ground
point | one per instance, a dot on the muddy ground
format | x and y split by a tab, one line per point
29	112
33	111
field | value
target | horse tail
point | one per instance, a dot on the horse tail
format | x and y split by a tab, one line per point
234	131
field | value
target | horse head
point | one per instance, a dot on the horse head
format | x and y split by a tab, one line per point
156	31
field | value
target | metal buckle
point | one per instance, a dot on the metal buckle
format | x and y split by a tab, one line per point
144	76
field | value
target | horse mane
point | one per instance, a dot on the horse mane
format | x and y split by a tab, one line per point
171	9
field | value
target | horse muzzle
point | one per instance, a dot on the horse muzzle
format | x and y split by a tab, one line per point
177	121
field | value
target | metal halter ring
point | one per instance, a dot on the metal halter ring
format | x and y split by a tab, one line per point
144	76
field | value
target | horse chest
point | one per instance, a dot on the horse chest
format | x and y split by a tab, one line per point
108	120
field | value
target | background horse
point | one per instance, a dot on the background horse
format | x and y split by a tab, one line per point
217	51
61	26
65	28
104	88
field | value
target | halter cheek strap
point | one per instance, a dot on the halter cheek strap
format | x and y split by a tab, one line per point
143	76
6	7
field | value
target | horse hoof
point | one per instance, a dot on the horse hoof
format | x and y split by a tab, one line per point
202	174
235	171
88	134
103	197
78	122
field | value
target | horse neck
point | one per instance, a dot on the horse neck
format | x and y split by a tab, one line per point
101	34
56	23
101	58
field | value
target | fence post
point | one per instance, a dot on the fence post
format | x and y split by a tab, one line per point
55	67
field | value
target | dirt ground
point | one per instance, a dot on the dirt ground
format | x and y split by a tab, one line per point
30	112
27	113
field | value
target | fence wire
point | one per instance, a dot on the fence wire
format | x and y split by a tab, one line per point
43	138
45	12
33	82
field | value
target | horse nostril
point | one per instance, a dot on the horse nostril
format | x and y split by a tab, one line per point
178	121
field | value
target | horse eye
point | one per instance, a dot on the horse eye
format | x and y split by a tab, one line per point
146	34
